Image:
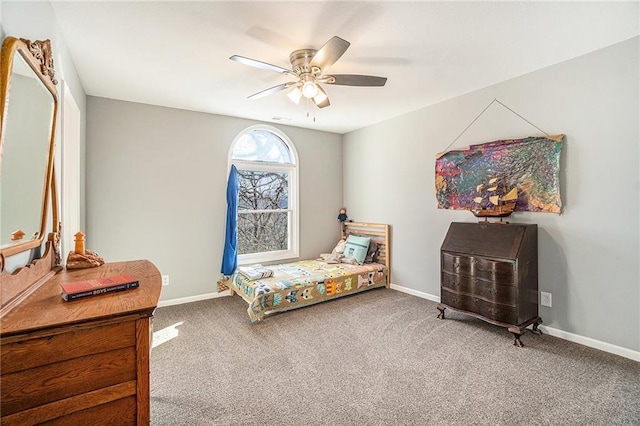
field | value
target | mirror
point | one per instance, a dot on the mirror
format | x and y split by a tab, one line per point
29	115
28	111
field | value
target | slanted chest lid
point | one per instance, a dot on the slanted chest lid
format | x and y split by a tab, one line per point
486	239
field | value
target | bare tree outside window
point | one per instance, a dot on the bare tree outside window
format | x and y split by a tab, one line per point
263	216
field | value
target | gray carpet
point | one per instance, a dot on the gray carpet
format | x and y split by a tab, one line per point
377	358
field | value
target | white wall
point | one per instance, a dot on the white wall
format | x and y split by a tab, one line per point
156	189
589	255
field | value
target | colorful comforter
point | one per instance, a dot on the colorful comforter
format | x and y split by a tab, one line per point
305	282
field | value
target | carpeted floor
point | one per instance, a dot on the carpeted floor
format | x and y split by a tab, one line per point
377	358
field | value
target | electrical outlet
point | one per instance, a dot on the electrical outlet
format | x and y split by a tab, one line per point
545	299
165	280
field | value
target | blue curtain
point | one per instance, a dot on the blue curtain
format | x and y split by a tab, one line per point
230	255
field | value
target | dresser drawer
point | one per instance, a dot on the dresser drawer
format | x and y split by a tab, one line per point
471	286
120	412
52	382
488	269
493	311
77	342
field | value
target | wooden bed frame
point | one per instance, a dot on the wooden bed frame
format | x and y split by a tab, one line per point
379	233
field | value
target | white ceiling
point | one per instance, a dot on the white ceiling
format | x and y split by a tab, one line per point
176	54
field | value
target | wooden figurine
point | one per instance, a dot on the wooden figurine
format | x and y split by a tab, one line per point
81	258
79	243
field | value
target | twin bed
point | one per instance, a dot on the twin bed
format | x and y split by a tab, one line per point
302	283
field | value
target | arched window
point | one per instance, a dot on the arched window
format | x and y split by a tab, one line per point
268	194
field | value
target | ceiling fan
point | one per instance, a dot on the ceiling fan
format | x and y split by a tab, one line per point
307	67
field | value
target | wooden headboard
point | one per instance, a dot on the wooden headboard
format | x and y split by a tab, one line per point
378	232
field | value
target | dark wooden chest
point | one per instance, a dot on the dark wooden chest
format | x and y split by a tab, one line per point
490	271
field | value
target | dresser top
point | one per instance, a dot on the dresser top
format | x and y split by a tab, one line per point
489	239
45	308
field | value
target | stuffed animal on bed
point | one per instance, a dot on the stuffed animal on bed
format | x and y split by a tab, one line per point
336	254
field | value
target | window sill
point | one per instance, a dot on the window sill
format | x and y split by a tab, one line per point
276	256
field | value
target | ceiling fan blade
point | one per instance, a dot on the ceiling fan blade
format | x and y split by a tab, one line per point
354	80
260	64
323	104
271	90
321	99
329	53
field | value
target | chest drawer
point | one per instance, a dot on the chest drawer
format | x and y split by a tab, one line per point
472	286
481	267
493	311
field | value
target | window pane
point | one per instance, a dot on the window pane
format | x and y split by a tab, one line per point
262	190
261	145
262	232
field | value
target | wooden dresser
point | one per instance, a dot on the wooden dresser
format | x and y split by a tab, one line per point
83	362
490	271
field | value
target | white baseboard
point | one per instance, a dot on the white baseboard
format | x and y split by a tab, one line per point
592	343
576	338
417	293
190	299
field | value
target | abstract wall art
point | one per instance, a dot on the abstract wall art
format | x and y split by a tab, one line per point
473	178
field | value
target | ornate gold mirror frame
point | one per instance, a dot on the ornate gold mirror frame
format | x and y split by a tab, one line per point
19	283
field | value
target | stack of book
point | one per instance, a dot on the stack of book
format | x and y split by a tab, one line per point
80	289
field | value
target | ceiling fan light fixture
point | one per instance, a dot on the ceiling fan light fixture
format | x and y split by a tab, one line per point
309	89
295	95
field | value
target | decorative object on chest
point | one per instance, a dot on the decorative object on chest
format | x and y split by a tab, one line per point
490	271
501	202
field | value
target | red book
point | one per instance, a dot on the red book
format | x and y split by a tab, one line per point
79	289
